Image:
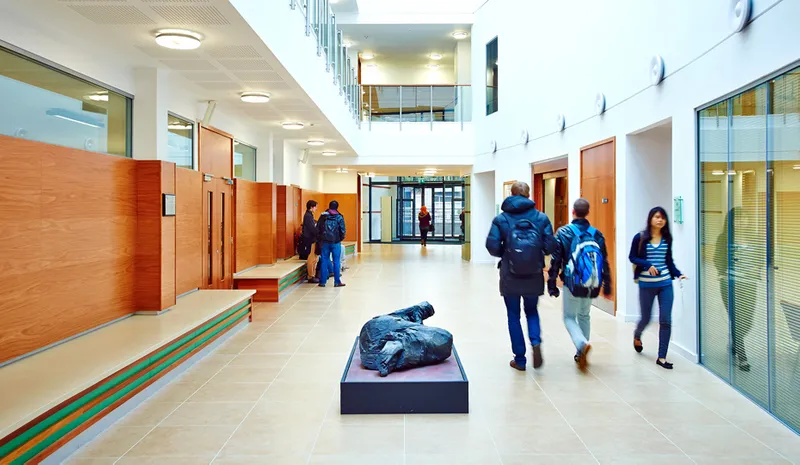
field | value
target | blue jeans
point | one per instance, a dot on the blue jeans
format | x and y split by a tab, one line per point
514	310
665	295
576	318
328	249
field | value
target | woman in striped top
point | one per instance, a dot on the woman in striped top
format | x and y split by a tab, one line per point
654	270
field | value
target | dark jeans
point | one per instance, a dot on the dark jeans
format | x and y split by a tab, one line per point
514	310
740	318
328	249
665	297
424	232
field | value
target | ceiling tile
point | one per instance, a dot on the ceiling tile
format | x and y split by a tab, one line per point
189	65
246	65
161	52
112	14
219	85
206	76
234	51
194	15
265	76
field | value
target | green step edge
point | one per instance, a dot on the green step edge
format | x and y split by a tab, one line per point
38	448
282	281
110	384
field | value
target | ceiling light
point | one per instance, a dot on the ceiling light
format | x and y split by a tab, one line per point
178	39
101	97
796	167
315	142
347	44
292	125
460	35
367	55
341	170
370	175
254	97
328	153
436	56
433	66
372	65
179	127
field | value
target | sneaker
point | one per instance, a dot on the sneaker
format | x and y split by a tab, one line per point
583	360
515	366
537	356
320	285
340	285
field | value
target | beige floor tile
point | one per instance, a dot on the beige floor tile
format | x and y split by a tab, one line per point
193	460
600	413
542	439
489	458
176	392
209	413
337	439
90	461
222	391
290	411
277	459
539	459
248	374
610	441
681	413
177	441
649	459
728	460
357	459
717	441
271	439
148	414
260	360
456	437
114	442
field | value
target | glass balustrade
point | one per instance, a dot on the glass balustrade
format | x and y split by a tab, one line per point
416	104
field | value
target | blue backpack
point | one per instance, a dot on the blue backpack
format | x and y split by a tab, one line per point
523	248
584	268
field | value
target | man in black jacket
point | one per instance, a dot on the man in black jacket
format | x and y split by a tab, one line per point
518	211
578	301
332	231
310	239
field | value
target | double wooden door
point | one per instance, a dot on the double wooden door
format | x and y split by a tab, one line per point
217	234
598	186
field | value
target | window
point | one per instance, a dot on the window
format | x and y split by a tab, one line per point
244	161
491	77
180	141
47	105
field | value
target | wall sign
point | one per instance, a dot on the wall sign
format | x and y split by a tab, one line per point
167	204
678	209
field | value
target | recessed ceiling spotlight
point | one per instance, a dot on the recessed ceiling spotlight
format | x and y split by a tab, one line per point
292	125
341	170
458	35
254	97
372	65
98	97
436	56
367	55
329	153
178	39
433	66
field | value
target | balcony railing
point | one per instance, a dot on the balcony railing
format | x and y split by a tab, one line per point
416	104
321	22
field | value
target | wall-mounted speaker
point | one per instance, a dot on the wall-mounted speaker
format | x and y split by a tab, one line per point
561	123
656	70
600	103
212	105
526	137
739	14
304	156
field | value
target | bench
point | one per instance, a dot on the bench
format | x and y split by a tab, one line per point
271	282
58	399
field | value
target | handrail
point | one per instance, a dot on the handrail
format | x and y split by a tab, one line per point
388	104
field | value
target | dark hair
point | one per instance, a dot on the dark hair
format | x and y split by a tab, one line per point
311	204
647	235
334	205
581	208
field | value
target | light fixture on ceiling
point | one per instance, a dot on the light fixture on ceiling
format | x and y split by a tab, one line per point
179	127
372	65
328	153
347	44
75	117
367	55
796	167
254	97
315	142
292	125
98	97
435	56
341	170
432	66
370	175
458	35
178	39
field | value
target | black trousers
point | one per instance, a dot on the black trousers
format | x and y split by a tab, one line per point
424	232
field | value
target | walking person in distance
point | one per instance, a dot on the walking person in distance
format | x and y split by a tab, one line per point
654	270
332	230
581	260
424	224
521	236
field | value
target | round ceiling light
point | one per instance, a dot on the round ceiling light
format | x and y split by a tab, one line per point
436	56
372	65
99	97
433	66
254	97
292	125
328	153
315	142
460	35
178	39
367	55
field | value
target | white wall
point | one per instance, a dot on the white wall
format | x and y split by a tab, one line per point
401	73
289	170
339	183
483	192
554	60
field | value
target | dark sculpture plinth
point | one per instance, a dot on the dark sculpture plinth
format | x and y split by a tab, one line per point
400	341
398	366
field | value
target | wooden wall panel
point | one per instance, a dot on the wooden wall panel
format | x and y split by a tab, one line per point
248	224
215	153
68	230
281	221
188	230
268	202
348	207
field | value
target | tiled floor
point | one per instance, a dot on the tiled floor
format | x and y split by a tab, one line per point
270	394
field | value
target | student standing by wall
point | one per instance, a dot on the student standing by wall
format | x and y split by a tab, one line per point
310	239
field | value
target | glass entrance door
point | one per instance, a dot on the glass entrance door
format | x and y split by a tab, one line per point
443	201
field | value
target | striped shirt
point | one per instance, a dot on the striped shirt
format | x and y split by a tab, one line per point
657	256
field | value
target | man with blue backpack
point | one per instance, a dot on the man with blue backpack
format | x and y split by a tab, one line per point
521	236
581	259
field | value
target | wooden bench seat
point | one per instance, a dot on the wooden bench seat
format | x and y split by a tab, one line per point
51	397
271	282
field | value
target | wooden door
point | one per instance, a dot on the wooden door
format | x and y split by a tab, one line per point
217	235
225	195
598	186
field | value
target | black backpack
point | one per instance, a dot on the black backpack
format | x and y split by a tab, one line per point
330	229
523	248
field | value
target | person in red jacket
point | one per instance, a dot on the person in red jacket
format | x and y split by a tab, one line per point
424	224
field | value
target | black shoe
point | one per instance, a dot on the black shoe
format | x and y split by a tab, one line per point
313	281
514	365
665	364
743	365
637	345
340	285
320	285
576	357
537	356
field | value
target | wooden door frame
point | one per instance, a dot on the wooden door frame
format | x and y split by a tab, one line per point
539	169
613	141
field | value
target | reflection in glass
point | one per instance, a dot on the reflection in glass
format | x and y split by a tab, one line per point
244	161
491	77
180	137
45	105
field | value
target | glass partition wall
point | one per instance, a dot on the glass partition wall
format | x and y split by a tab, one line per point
749	171
416	104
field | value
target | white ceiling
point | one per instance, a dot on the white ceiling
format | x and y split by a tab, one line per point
403	170
231	60
405	43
